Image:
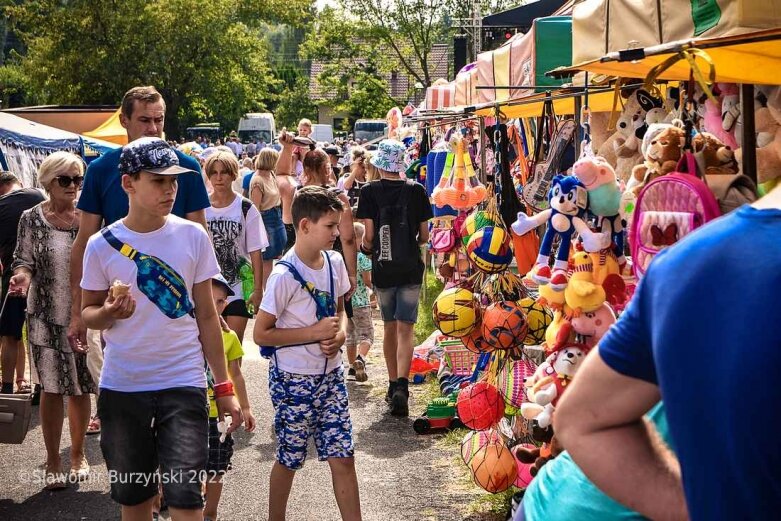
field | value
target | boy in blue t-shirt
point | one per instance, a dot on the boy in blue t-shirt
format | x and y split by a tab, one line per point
302	314
147	283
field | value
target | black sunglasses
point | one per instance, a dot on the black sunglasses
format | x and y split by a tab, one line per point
65	180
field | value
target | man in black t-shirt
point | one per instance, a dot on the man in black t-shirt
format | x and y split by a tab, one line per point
395	213
13	201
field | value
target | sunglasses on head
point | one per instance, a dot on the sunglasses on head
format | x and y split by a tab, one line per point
65	180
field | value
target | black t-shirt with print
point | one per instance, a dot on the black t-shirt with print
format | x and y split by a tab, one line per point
387	193
12	205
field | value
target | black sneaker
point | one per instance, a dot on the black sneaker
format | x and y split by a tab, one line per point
400	403
359	370
351	374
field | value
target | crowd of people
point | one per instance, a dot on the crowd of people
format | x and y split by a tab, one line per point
137	277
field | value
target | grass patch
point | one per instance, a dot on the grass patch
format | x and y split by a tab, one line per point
492	506
425	324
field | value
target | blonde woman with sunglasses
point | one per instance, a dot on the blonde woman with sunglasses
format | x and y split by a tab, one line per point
42	273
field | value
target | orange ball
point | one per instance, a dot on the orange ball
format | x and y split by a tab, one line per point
475	342
494	468
504	325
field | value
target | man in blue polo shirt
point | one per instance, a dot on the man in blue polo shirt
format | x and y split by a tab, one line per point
700	332
103	201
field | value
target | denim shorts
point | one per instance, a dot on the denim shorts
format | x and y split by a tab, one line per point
310	406
141	431
399	303
275	230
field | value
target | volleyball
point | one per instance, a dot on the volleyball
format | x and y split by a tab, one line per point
473	222
504	325
455	312
538	319
489	249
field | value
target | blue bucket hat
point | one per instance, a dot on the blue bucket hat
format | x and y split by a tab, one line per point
150	154
389	156
219	279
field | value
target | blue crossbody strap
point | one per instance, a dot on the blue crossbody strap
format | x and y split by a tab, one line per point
322	310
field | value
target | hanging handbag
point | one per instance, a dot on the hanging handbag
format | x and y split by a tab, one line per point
15	411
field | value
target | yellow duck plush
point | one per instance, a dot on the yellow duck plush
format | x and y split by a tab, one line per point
559	331
550	298
582	295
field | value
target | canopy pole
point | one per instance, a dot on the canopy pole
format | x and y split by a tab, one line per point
481	123
749	144
578	129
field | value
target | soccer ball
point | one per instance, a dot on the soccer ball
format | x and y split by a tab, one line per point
455	312
489	249
504	325
475	342
474	222
538	319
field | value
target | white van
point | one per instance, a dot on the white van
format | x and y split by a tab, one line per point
322	133
257	125
370	129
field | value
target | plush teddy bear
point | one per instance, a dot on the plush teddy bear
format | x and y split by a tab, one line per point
720	115
713	157
767	122
661	157
568	200
538	456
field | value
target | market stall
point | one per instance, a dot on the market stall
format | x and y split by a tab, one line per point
24	145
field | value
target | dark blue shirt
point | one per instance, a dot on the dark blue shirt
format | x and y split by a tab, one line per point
703	326
102	193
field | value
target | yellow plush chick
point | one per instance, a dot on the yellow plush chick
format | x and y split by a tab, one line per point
559	331
551	299
581	294
605	264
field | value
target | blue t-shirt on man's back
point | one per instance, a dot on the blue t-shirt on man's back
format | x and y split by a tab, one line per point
703	325
102	193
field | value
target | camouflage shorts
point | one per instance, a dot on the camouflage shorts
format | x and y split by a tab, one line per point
310	406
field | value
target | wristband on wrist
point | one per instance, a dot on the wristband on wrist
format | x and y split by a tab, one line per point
223	389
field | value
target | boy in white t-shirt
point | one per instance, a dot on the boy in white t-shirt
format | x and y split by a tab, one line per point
302	314
147	283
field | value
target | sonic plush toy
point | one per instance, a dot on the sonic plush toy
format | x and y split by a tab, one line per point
568	200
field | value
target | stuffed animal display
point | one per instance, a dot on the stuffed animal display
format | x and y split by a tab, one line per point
767	121
568	200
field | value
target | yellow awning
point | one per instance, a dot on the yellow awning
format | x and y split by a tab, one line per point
111	130
747	58
532	106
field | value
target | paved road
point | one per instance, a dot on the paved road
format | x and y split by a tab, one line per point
402	476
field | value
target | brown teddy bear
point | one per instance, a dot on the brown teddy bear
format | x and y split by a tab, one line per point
539	456
768	130
661	157
713	157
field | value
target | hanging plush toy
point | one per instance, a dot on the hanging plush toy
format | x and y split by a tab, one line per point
604	199
568	200
582	294
591	326
557	374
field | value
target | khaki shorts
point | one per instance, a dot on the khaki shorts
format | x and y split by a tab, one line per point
360	327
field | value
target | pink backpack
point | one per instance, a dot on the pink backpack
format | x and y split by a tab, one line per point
667	209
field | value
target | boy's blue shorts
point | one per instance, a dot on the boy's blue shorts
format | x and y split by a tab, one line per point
310	405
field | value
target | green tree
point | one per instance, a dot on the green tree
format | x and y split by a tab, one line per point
208	59
295	104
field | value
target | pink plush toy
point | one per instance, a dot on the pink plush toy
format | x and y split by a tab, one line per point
592	326
720	117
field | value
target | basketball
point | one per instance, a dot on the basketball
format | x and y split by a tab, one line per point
489	249
473	222
504	325
455	312
538	319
